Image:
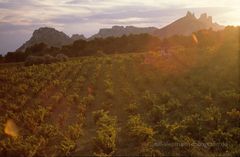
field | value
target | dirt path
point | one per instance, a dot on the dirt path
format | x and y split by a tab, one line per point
85	145
61	109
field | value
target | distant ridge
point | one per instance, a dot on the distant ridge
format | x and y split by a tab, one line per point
77	37
51	37
183	26
186	25
117	31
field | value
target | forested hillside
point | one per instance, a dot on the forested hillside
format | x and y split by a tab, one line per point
184	100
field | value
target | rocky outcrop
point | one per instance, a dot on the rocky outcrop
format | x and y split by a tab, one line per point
183	26
186	25
117	31
78	37
51	37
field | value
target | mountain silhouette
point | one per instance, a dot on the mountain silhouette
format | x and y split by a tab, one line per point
51	37
117	31
183	26
186	25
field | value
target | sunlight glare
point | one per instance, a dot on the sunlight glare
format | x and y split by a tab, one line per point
11	128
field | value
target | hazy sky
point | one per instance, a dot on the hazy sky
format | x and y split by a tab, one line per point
19	18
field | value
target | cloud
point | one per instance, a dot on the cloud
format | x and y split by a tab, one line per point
16	4
68	19
134	15
8	27
77	11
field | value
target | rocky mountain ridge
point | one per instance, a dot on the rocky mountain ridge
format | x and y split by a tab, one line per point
183	26
51	37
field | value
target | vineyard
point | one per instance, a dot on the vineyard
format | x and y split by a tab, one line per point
124	104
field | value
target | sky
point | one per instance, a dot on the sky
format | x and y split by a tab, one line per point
19	18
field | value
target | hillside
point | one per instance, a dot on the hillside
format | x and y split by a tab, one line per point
183	26
151	104
51	37
186	25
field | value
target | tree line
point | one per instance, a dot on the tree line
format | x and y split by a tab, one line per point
125	44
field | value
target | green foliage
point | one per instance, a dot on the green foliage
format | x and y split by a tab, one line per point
97	115
74	131
88	100
189	97
149	99
109	93
46	59
132	108
67	146
138	130
109	88
157	113
29	146
212	116
105	140
48	130
220	140
234	117
173	105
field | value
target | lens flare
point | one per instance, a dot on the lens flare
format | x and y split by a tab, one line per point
11	128
195	38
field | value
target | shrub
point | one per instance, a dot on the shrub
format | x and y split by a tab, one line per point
211	117
31	60
108	60
23	146
61	57
173	104
88	100
219	139
105	140
48	130
132	108
100	53
157	113
67	146
138	130
107	105
149	99
46	59
234	117
109	93
165	97
75	131
97	115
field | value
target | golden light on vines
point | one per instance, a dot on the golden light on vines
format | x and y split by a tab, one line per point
11	128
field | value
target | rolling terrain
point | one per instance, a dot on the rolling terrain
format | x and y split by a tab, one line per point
125	104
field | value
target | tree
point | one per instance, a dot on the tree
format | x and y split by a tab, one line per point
1	58
36	49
